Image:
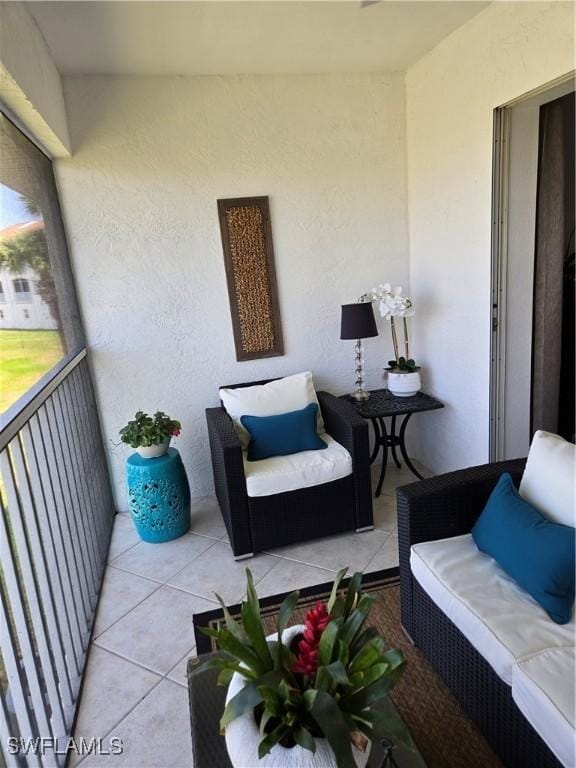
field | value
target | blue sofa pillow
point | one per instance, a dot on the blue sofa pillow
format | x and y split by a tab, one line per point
283	434
537	553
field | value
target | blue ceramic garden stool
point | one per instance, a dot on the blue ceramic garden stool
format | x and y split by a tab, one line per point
159	496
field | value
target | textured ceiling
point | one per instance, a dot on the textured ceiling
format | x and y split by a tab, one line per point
205	38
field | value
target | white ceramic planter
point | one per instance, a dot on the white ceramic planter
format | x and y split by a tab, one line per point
404	384
153	451
243	736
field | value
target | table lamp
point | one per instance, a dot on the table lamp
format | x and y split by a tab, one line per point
358	323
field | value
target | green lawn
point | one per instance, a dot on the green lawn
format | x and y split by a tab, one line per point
25	356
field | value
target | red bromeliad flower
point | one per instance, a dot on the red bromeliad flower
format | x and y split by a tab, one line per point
176	431
307	660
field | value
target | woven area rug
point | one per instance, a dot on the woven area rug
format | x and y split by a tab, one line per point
444	735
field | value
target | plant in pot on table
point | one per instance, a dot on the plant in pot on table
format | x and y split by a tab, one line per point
403	373
307	695
150	435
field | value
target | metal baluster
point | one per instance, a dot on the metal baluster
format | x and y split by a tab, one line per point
93	463
76	550
6	733
83	512
23	464
58	568
105	495
32	566
18	599
16	679
63	542
89	567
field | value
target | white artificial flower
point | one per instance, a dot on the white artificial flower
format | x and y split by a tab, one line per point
391	301
387	306
403	306
384	309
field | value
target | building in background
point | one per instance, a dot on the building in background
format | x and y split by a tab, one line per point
22	306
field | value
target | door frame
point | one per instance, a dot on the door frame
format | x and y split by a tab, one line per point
499	257
498	272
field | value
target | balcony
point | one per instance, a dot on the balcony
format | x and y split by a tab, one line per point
384	141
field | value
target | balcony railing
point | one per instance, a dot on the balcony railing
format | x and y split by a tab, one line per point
55	526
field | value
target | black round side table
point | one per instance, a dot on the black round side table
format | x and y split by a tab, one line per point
381	404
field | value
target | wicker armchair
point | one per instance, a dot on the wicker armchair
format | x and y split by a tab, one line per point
265	522
438	508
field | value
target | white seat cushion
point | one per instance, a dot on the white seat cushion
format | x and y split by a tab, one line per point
548	482
292	393
501	621
543	689
298	470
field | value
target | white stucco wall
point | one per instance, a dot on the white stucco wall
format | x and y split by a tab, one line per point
504	52
152	156
30	84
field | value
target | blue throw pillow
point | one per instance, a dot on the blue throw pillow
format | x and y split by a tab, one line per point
283	434
536	552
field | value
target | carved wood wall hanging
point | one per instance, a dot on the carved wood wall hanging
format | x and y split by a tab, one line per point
251	277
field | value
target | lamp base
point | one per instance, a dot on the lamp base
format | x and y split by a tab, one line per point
360	395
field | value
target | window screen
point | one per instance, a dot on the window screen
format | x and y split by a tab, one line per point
40	322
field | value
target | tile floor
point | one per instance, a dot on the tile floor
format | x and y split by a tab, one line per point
135	684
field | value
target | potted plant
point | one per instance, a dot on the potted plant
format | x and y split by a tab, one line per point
150	435
306	695
403	373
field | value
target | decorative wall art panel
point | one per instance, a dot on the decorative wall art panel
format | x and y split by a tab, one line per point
249	260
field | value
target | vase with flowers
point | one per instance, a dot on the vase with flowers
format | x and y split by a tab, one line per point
403	373
307	695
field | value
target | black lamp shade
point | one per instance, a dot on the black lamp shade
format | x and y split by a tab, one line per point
358	321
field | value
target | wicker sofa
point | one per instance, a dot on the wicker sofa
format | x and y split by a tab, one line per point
442	508
256	523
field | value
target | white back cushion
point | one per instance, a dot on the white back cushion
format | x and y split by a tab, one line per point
292	393
549	478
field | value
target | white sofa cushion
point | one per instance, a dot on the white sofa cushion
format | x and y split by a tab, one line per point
548	482
279	474
292	393
501	621
543	689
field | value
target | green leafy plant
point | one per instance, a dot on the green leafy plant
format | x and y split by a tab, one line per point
144	430
328	683
409	366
